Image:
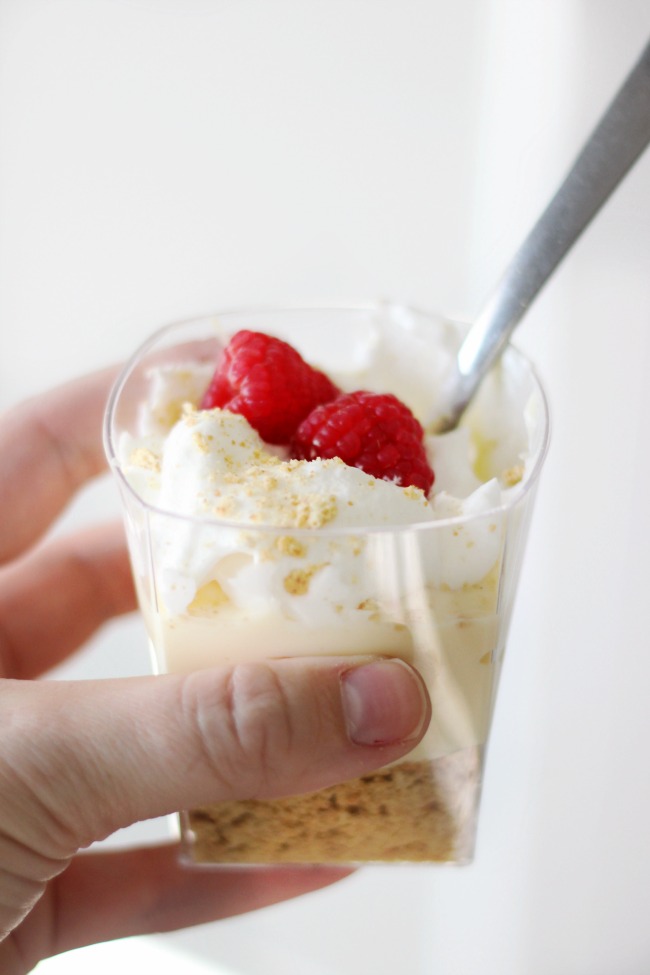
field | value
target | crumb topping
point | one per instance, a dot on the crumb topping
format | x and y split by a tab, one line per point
513	475
297	582
415	494
145	458
290	546
202	441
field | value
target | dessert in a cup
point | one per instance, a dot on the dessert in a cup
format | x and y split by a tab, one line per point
283	497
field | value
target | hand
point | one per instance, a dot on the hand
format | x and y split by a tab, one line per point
80	759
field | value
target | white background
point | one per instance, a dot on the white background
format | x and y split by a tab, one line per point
162	158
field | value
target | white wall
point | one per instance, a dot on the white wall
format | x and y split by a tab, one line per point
162	158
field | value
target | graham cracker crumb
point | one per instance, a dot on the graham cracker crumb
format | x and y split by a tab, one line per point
415	493
413	811
291	546
202	441
297	582
512	475
189	414
142	457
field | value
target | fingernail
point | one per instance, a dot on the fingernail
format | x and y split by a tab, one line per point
384	702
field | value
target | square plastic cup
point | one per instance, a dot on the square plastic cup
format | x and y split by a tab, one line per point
438	594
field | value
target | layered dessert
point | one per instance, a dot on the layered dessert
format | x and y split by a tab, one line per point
298	505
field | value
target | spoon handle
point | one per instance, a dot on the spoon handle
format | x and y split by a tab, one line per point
617	141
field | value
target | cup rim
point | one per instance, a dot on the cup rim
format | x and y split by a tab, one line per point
512	499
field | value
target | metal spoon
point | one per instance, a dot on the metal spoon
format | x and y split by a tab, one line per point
615	144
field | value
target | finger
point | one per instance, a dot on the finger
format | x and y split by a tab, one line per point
117	895
49	446
56	596
82	759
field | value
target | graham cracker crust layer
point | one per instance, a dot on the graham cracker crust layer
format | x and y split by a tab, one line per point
411	812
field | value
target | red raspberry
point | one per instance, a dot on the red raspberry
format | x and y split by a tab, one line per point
269	383
373	431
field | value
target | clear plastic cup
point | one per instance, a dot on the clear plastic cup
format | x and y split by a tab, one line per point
438	594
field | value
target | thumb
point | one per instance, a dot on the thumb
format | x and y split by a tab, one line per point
82	759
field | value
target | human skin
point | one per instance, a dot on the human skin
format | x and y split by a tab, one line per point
81	759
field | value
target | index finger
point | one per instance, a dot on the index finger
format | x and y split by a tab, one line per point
49	446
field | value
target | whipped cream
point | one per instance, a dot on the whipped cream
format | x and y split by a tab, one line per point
310	539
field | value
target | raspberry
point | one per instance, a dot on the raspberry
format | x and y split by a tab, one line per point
269	383
373	431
